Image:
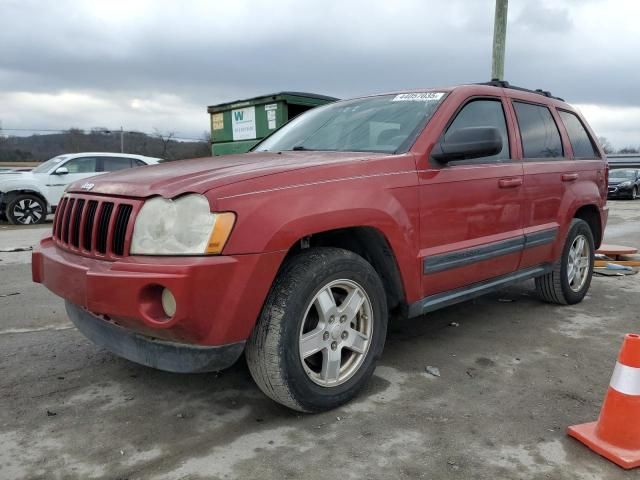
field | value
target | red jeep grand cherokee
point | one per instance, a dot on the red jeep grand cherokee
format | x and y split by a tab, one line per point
297	252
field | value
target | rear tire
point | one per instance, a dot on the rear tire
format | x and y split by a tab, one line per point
634	193
26	209
570	278
321	330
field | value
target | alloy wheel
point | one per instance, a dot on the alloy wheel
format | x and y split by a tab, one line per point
336	333
578	263
27	211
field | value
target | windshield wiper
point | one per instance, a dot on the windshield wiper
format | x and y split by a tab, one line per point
301	148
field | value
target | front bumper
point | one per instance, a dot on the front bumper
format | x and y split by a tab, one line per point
168	356
218	298
618	192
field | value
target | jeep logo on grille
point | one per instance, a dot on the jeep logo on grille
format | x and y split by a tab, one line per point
87	186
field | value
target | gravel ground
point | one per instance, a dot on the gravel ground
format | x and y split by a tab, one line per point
514	374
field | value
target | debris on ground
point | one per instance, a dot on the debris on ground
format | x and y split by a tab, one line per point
617	266
51	414
454	324
435	371
15	249
505	300
2	295
614	269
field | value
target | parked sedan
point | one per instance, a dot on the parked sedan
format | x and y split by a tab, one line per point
26	197
624	183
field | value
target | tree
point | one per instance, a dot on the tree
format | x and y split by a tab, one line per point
628	150
166	139
73	139
606	145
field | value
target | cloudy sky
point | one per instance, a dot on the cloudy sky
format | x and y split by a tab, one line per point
157	64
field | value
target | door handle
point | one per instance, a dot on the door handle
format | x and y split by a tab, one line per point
569	177
510	182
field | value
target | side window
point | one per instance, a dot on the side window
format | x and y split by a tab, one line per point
81	165
484	113
578	136
111	164
538	130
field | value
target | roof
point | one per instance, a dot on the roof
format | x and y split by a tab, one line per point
107	154
504	84
485	88
286	96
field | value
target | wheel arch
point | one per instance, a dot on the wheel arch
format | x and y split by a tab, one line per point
372	245
10	195
591	215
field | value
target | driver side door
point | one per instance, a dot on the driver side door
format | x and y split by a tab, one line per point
471	210
77	168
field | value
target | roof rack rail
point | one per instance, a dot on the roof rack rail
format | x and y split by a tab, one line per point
504	84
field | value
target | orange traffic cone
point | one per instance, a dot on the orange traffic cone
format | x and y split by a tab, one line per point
616	434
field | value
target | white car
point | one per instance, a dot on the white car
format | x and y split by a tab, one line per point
27	197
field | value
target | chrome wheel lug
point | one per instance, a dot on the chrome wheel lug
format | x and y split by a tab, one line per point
343	318
325	336
334	345
344	335
332	319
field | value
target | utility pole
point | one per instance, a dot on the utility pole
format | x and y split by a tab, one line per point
121	140
499	40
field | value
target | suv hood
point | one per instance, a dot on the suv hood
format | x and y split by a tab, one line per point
9	180
202	174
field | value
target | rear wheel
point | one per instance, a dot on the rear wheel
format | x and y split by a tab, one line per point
634	193
570	278
26	209
321	330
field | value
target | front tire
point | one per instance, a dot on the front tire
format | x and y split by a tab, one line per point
634	193
321	331
26	209
569	281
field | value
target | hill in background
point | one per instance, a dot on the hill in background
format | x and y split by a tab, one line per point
42	147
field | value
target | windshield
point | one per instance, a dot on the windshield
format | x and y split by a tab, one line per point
49	164
384	123
622	174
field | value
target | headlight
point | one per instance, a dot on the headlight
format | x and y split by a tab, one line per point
625	184
184	226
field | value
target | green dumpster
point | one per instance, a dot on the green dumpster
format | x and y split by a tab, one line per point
238	126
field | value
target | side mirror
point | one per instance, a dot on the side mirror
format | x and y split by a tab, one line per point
468	143
61	171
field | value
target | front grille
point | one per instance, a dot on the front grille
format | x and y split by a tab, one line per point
95	226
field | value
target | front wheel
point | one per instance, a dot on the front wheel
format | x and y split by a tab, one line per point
634	193
26	209
570	278
321	330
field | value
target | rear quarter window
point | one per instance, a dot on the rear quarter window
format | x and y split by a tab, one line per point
581	142
538	130
113	164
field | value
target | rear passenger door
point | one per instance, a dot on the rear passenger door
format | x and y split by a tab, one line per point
471	210
550	175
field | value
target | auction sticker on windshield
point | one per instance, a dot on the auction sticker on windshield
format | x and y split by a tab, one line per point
418	97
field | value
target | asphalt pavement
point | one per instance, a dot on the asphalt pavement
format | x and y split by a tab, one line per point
514	373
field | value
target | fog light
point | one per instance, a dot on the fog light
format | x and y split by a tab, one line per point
168	303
